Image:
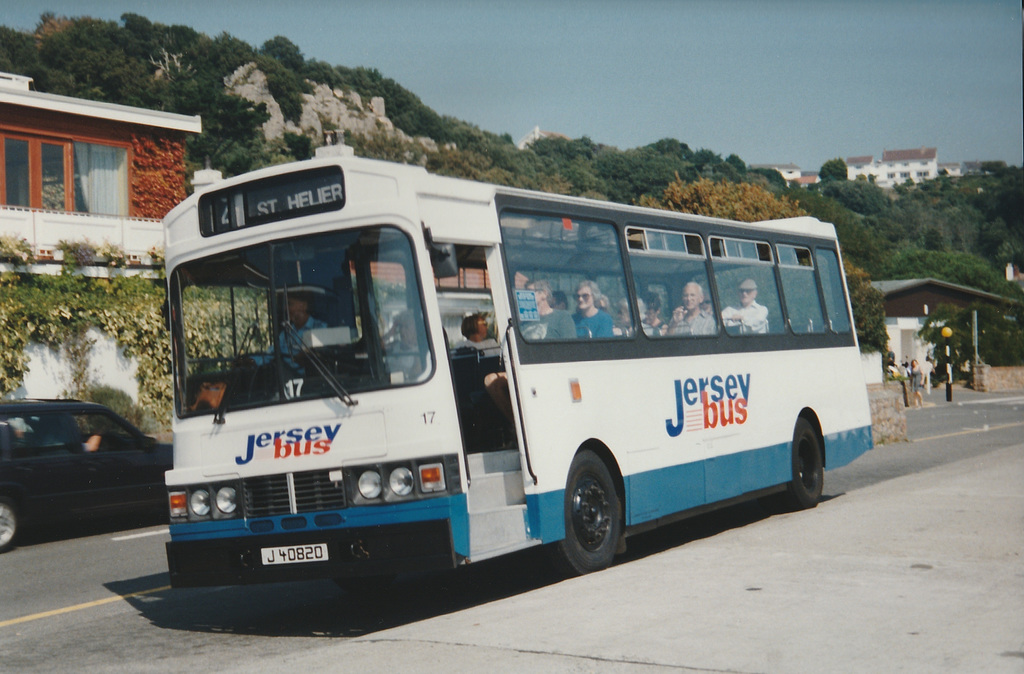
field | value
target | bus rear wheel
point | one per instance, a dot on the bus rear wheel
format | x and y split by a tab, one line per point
804	490
593	520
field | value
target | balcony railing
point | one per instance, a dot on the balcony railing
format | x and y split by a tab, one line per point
44	230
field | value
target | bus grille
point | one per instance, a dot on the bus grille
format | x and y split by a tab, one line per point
313	491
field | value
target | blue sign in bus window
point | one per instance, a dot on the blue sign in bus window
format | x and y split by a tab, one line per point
526	300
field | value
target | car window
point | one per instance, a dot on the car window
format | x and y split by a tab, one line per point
102	433
41	435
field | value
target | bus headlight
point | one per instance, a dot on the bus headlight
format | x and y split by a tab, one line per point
226	500
199	502
369	484
401	481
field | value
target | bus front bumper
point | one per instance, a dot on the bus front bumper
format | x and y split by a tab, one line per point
364	551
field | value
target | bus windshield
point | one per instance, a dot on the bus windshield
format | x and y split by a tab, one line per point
319	316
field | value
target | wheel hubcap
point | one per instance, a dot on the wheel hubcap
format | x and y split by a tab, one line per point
6	525
591	516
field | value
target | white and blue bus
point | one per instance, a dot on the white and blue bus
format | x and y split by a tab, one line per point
329	423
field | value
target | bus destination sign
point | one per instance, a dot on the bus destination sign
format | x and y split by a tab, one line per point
287	196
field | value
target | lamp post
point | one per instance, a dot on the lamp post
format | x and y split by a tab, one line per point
947	332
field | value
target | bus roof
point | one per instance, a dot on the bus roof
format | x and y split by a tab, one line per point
455	209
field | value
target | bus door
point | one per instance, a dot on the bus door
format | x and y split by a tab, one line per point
475	328
473	335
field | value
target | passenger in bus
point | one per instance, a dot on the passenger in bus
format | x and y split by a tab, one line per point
590	320
623	319
652	323
553	323
559	302
477	334
688	319
749	317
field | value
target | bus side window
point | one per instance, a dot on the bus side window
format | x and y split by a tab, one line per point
749	296
579	259
832	284
800	290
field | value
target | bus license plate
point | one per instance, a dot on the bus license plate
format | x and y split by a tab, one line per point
294	554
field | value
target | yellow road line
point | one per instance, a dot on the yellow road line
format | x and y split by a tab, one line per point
79	607
969	431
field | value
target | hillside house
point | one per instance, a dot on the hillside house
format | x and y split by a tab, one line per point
74	170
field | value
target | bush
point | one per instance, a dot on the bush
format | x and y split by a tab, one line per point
121	403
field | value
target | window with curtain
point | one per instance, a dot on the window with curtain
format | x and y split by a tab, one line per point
101	179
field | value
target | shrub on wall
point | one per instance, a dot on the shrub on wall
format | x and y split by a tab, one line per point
55	310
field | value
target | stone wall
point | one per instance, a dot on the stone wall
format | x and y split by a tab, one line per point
988	379
888	416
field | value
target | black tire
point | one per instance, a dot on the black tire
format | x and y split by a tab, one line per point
804	490
593	518
8	524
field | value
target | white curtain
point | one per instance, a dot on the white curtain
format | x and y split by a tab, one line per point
101	179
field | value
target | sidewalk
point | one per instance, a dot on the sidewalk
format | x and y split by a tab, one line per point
921	573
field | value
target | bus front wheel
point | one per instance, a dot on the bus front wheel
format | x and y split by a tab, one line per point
593	520
804	490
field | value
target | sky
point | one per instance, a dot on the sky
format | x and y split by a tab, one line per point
772	81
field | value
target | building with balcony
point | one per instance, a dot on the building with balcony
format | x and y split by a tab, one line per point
75	171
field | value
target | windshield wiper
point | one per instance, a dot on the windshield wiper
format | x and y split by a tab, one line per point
229	386
319	366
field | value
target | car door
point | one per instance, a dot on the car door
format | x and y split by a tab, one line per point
48	465
133	472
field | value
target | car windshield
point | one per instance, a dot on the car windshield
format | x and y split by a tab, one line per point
320	316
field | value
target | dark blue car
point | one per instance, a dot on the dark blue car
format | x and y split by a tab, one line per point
62	460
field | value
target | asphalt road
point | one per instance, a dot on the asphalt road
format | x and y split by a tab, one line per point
911	563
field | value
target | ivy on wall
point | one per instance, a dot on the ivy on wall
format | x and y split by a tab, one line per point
58	310
158	175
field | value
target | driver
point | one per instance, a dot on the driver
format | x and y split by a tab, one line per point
288	340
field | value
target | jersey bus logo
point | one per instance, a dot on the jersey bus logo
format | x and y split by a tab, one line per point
709	402
295	442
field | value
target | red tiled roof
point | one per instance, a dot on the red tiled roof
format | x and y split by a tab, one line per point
919	154
859	160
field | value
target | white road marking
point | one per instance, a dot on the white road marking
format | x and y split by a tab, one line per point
158	532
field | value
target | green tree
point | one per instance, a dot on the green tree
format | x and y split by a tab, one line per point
953	267
1000	333
868	306
285	52
833	169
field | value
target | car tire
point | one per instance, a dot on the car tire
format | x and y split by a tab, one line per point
8	524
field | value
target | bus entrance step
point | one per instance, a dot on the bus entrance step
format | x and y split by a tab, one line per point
496	481
495	532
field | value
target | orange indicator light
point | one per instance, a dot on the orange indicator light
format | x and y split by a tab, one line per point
575	390
179	504
432	477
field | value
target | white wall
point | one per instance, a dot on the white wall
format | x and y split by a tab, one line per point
871	364
49	376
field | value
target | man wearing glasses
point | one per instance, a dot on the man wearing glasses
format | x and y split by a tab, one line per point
750	318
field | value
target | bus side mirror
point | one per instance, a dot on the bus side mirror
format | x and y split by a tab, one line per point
442	258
